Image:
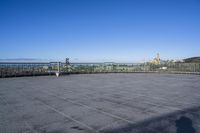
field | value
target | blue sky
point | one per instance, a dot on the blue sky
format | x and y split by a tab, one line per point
99	30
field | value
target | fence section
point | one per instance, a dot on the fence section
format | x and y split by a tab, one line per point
14	69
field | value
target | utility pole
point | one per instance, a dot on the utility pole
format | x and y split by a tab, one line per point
67	64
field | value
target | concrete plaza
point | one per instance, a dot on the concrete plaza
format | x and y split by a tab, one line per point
107	103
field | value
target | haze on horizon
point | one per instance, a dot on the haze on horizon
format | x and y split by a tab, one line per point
99	30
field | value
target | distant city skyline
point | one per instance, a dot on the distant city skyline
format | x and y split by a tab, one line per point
99	30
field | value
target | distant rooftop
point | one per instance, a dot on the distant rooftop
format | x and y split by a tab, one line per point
192	60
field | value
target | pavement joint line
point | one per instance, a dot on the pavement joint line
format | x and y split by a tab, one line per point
146	110
26	123
138	95
29	126
109	113
60	95
117	103
63	114
67	116
103	112
120	103
156	105
113	102
86	106
109	125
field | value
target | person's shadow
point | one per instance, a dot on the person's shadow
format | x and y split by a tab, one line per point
184	125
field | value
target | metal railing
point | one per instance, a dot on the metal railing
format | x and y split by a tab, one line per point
16	69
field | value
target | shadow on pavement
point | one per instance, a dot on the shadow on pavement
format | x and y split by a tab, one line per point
184	125
186	121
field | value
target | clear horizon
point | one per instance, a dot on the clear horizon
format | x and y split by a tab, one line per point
100	30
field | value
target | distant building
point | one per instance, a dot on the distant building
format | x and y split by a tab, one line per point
156	60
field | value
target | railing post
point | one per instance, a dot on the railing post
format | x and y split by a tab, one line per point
58	72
